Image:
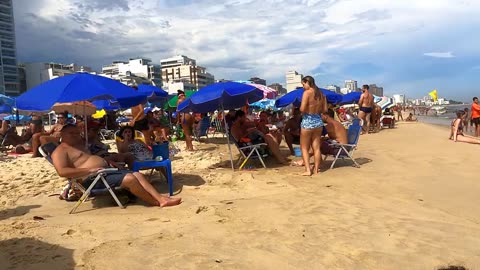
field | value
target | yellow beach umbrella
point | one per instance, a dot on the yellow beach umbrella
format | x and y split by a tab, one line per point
99	114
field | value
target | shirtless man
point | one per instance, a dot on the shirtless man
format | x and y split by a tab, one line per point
366	106
139	120
53	135
263	124
292	130
71	160
186	121
244	129
313	105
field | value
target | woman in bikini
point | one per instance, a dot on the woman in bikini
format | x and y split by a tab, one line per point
131	145
456	132
313	105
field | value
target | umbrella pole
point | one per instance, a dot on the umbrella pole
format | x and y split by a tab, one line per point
228	139
85	125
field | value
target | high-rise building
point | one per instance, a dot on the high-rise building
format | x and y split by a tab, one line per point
351	85
294	80
279	88
37	73
376	90
9	83
139	70
333	88
184	70
258	81
399	99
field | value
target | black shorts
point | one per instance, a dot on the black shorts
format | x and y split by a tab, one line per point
114	179
476	121
366	109
141	124
296	139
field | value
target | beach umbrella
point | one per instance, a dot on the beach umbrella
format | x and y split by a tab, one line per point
5	108
386	102
295	97
106	105
21	118
268	92
264	104
221	96
123	119
75	108
152	92
6	100
78	87
352	97
172	102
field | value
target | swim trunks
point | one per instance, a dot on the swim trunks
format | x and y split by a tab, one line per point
311	121
366	109
141	124
114	179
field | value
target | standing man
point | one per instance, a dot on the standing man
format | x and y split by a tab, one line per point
365	103
139	120
476	116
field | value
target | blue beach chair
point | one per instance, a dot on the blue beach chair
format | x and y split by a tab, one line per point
345	151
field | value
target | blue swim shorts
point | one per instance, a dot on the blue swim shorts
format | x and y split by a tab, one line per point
311	121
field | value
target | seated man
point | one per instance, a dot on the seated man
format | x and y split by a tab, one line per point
24	144
264	125
4	128
53	135
96	147
336	134
292	130
244	130
72	160
411	118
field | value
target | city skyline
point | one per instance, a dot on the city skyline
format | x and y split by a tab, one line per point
387	44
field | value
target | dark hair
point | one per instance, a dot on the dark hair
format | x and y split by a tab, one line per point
65	114
135	87
331	113
311	82
460	113
120	133
67	126
366	86
474	98
466	109
238	114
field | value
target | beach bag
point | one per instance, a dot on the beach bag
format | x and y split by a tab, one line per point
70	193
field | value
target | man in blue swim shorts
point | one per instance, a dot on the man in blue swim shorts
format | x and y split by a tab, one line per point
366	104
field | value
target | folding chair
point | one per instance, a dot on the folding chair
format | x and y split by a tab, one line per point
204	125
47	149
345	151
249	151
219	127
106	134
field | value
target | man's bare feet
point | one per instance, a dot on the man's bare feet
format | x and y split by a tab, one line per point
166	201
307	173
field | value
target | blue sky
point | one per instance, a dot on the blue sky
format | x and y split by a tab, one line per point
407	46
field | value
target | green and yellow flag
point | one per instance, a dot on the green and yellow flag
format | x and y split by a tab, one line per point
434	94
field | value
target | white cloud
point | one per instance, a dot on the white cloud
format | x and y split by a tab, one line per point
240	38
440	54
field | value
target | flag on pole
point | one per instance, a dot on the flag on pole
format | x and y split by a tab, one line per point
434	94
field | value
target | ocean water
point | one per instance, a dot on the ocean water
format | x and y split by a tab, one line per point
444	119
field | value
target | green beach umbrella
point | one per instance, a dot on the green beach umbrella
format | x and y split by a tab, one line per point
172	103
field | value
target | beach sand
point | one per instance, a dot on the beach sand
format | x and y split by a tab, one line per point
414	204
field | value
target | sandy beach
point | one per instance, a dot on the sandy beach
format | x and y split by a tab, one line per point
412	205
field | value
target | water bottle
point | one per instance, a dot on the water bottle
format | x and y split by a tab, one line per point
159	158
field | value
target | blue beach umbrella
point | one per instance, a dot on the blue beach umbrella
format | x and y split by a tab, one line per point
350	98
5	108
152	92
106	105
265	104
21	118
6	100
77	87
221	96
295	98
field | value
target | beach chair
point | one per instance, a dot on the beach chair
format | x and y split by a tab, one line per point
249	151
46	151
219	127
345	151
5	145
106	134
387	121
203	127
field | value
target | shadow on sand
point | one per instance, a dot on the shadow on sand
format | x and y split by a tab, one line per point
30	253
18	211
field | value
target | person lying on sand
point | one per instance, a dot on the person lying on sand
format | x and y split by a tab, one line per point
72	160
243	129
456	132
51	136
336	134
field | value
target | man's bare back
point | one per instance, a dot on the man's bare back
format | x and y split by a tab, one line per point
336	131
366	100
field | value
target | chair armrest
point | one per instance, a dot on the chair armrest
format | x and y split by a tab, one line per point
253	146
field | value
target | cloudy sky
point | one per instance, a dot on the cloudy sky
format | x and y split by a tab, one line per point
406	46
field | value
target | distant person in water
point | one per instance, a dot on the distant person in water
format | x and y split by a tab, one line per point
411	118
456	132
